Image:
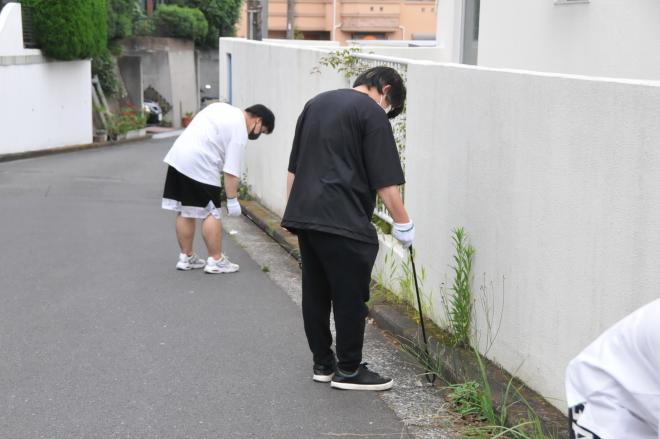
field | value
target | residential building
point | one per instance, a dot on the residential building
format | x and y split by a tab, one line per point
585	37
343	20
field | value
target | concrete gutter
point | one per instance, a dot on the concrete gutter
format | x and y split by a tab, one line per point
460	364
63	149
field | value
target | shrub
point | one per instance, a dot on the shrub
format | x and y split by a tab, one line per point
180	22
144	27
127	120
222	16
120	18
104	66
70	29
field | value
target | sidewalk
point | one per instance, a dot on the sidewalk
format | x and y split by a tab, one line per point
101	338
459	365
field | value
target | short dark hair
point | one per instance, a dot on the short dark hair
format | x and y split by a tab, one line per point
381	76
267	116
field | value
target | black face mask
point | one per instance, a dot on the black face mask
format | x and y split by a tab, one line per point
252	135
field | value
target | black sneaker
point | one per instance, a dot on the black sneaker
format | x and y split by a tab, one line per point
364	379
323	373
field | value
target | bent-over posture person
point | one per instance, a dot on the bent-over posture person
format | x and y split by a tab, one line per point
613	386
344	153
212	144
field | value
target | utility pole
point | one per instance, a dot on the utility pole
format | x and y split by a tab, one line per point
254	19
264	18
289	19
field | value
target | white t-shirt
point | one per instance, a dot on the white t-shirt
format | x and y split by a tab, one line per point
618	376
214	142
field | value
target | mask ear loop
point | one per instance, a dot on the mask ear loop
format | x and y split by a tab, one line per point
380	101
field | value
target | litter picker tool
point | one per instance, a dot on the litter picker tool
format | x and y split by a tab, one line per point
429	376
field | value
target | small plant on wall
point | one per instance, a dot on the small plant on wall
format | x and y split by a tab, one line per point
345	61
187	118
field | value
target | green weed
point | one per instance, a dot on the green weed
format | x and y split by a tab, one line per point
460	303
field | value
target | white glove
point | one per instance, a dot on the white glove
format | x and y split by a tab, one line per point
404	233
233	207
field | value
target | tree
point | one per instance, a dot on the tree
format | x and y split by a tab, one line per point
221	15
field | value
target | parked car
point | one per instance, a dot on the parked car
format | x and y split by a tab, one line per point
153	112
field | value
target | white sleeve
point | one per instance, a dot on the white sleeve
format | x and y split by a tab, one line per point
233	158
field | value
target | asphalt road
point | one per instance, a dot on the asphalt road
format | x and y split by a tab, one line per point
100	337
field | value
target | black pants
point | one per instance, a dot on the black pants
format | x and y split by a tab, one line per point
336	272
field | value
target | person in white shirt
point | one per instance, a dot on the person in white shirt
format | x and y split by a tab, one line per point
212	144
613	386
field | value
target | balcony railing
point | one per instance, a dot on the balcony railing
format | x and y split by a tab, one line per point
29	35
359	22
29	38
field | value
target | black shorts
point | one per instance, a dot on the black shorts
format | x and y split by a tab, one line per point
190	197
577	432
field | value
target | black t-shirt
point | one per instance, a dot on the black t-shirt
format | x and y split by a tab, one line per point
343	152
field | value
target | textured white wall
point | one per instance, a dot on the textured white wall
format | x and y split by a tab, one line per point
555	178
610	38
45	105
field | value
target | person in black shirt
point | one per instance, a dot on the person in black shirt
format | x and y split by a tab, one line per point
343	154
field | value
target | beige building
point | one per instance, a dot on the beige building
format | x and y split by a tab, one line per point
353	20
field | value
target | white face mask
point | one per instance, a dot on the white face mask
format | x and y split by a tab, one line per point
386	109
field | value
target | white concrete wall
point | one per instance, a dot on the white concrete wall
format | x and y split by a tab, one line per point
11	33
184	83
43	104
555	178
168	65
303	43
279	77
11	30
418	53
610	38
449	29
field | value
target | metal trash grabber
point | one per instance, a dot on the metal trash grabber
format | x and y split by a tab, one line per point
430	377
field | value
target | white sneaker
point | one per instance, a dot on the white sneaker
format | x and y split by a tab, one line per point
189	262
223	265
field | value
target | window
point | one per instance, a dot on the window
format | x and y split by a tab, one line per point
368	36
